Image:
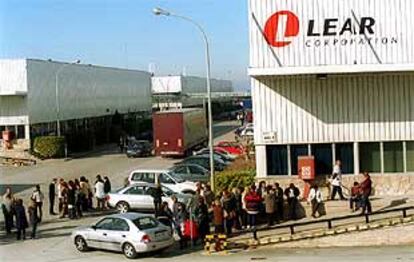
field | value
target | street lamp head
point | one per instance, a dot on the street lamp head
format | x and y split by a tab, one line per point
160	11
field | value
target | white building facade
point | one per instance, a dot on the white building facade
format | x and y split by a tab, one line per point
333	79
29	104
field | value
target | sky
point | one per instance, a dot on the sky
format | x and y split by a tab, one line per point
125	34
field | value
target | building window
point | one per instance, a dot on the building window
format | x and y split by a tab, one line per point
410	156
20	132
295	152
323	158
345	153
277	160
370	157
393	157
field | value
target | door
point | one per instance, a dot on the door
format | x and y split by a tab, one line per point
98	237
117	234
135	197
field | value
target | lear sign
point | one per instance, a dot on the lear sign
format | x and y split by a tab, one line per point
331	32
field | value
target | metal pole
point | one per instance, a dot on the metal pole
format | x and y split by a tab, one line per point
208	74
57	102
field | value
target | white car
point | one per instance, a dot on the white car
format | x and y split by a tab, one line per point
138	196
130	233
165	178
247	132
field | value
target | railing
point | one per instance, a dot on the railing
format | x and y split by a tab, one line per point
329	221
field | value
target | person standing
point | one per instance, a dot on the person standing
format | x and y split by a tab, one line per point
218	217
52	195
336	181
366	189
157	197
33	218
229	206
71	200
21	219
64	200
253	201
279	203
7	208
355	199
270	205
201	214
83	193
60	189
315	199
292	193
99	192
38	197
208	195
107	188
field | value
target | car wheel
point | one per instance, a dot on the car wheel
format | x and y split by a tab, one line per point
81	244
122	207
129	251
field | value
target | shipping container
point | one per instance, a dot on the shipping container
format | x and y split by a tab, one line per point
178	132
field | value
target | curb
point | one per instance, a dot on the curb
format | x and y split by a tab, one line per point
331	232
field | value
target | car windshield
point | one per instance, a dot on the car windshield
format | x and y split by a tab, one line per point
178	178
167	191
145	223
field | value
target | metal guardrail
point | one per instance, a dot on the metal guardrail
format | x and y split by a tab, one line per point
329	221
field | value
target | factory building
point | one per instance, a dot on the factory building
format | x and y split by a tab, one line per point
334	79
87	99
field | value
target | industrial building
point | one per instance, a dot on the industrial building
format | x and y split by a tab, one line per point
85	98
185	91
334	79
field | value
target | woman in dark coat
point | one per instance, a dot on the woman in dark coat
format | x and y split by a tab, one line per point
157	196
21	219
201	214
72	200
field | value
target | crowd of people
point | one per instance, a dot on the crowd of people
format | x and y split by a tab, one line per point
231	209
74	198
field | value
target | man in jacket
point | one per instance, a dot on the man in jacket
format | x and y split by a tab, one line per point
52	196
279	202
270	205
292	193
366	188
315	199
337	181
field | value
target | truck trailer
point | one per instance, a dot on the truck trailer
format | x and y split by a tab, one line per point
178	132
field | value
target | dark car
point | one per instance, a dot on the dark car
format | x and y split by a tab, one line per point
191	172
204	161
139	148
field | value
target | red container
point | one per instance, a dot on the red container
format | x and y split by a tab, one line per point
177	132
306	167
190	229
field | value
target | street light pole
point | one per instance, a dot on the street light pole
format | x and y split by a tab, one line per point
57	95
159	11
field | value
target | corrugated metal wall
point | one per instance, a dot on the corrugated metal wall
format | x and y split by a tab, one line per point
85	91
188	85
341	108
394	20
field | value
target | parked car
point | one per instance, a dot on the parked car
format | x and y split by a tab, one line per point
164	177
130	233
231	147
191	172
224	157
138	196
247	132
218	158
223	151
204	161
139	148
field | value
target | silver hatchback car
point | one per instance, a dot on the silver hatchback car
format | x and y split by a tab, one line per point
130	233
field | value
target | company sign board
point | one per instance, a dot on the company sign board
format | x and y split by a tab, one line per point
330	33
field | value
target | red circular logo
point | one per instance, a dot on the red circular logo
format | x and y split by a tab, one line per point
281	26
